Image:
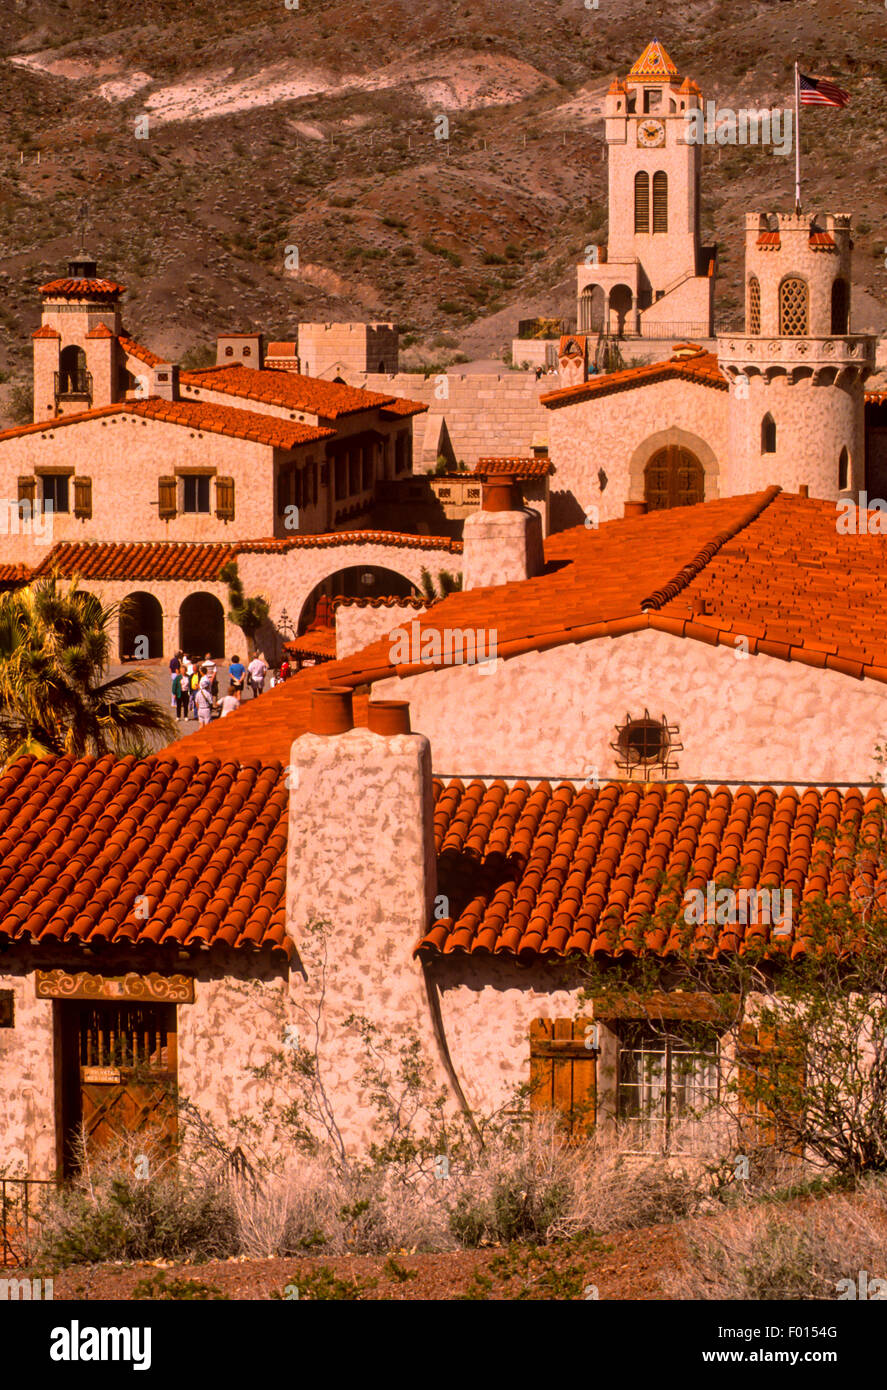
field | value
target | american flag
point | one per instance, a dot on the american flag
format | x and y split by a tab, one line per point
819	91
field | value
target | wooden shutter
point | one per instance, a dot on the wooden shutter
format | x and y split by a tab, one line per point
642	202
660	202
771	1062
166	498
27	490
83	497
563	1072
225	499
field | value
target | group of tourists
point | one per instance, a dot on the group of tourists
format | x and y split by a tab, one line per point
195	684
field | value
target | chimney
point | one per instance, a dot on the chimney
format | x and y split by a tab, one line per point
361	858
166	381
635	509
804	490
502	542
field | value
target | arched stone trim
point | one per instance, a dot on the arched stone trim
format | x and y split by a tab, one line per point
654	442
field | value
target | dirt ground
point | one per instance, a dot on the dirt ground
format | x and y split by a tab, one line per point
621	1266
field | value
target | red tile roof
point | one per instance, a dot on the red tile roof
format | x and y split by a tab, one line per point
135	349
401	407
163	560
81	289
823	241
769	240
514	467
770	568
541	871
307	393
281	349
101	330
653	62
321	643
44	331
15	573
194	415
84	842
702	368
389	601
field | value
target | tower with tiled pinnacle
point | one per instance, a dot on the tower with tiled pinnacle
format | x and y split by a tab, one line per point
797	372
653	276
76	354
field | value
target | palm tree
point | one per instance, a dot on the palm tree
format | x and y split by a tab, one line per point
55	648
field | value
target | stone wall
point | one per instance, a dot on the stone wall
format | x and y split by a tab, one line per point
485	413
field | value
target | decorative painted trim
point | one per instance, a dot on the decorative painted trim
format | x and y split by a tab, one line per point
169	989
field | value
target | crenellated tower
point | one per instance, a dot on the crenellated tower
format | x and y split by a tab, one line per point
797	373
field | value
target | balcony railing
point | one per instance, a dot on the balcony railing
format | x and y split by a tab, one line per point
69	384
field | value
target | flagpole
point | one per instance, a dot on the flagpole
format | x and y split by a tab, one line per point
797	142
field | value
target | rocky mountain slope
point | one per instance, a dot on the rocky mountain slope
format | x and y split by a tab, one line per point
317	127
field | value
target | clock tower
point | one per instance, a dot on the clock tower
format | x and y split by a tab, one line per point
652	278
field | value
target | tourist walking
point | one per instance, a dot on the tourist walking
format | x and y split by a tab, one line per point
204	700
258	669
236	674
175	666
181	690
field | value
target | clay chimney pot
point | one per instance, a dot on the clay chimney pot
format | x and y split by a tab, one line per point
499	496
332	710
388	717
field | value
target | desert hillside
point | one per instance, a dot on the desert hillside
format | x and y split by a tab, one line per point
315	127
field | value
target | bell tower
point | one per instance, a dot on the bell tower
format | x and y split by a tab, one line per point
652	278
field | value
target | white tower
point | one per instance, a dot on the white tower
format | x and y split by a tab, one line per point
797	374
652	277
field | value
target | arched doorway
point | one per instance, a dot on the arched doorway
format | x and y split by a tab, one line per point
591	309
358	581
140	627
73	377
673	478
621	299
202	626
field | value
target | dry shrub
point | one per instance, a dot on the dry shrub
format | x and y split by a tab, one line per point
799	1253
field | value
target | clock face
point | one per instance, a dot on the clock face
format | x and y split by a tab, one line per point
651	134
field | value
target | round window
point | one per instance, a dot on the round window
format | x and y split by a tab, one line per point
643	741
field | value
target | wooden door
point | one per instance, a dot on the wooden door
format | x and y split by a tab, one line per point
673	478
119	1065
563	1071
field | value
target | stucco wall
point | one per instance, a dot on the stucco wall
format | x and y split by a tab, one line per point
235	1022
357	627
554	713
619	434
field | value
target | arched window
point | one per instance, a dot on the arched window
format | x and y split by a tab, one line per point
72	371
660	202
794	314
768	435
840	307
642	202
754	306
591	309
844	471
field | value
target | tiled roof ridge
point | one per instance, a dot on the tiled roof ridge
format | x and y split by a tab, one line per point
660	597
136	349
701	369
387	601
234	421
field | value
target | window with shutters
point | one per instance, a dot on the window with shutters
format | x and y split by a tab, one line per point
793	307
771	1085
27	490
55	493
754	306
642	202
195	492
668	1080
83	498
225	499
660	202
166	498
563	1071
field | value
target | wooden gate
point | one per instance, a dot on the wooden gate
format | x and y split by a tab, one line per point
673	478
119	1063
